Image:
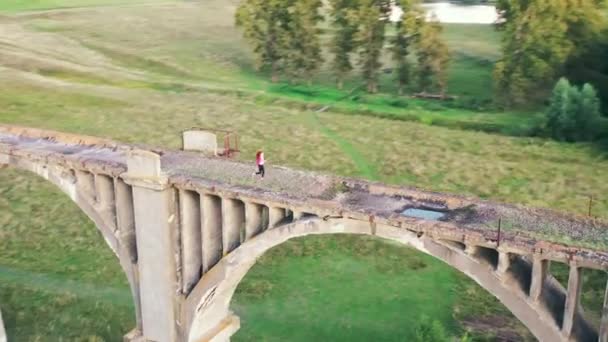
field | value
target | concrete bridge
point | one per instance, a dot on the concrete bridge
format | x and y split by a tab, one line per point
186	228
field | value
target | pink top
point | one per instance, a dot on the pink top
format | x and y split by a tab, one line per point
259	159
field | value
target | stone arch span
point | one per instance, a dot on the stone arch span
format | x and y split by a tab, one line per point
197	237
207	309
95	194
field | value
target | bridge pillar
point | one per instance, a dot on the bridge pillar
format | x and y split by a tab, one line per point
233	220
471	250
604	322
254	219
275	216
125	223
125	219
86	184
572	299
190	221
540	269
504	262
155	211
212	230
106	199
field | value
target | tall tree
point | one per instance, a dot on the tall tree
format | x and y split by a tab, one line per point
373	16
406	32
303	47
592	67
265	24
344	21
584	19
544	40
433	58
588	114
573	114
534	49
561	106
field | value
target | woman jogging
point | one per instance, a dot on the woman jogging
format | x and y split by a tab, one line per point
259	162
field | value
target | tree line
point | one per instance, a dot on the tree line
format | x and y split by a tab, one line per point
545	40
287	41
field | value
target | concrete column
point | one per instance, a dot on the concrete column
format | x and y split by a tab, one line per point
540	268
254	217
190	220
155	210
575	283
212	230
86	184
233	222
265	217
297	215
104	186
2	331
504	262
125	218
604	322
275	216
125	221
471	250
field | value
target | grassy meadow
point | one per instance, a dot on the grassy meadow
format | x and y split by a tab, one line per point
142	74
15	6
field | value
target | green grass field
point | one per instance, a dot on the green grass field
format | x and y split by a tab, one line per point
14	6
316	283
193	50
183	64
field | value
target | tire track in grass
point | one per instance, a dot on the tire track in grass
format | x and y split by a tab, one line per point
56	284
365	169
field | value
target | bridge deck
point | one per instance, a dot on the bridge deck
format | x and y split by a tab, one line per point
533	228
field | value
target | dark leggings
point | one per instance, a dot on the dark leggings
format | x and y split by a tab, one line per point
260	170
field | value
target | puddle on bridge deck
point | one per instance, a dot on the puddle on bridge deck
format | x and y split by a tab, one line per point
423	214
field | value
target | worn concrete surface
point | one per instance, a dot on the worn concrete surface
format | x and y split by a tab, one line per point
332	194
209	305
197	140
180	223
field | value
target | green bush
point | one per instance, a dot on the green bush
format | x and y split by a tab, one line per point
470	103
433	106
573	113
433	331
430	331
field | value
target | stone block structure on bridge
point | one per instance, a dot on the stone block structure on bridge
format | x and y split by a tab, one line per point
186	229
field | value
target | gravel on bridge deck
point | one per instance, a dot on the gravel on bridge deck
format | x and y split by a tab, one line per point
277	179
351	195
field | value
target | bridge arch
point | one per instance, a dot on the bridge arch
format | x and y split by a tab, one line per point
90	192
207	309
197	237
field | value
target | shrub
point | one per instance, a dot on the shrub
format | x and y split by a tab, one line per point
398	102
470	103
573	113
430	331
432	105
